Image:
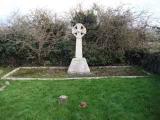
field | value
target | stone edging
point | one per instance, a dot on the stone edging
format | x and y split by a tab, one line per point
6	77
8	74
76	78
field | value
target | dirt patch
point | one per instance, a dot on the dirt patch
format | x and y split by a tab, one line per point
62	72
1	71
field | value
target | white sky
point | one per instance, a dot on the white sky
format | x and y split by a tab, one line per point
61	6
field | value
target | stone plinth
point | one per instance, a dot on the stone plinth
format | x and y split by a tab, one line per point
79	66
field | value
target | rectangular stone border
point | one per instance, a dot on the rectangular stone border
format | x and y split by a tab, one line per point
6	77
10	73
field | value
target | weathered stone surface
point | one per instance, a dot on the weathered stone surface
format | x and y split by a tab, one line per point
63	99
83	104
79	66
78	31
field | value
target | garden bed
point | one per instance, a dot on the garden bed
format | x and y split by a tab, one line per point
61	72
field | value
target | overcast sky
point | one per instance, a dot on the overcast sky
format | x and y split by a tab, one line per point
61	6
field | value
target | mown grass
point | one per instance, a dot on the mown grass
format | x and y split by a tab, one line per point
108	99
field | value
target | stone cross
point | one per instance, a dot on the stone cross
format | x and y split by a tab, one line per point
78	31
78	64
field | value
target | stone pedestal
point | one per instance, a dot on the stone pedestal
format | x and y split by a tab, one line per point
79	66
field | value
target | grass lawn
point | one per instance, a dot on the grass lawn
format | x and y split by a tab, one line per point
108	99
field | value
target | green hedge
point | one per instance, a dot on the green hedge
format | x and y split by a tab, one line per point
149	61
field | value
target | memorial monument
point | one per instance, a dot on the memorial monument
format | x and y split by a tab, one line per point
78	64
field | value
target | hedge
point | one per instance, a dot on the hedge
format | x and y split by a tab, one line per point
149	61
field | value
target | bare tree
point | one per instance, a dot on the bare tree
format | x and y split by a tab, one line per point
39	31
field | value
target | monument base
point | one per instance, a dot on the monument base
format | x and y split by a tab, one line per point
78	66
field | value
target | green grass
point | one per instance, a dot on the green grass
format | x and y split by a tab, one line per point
108	99
62	73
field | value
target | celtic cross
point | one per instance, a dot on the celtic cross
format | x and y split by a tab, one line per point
79	63
78	31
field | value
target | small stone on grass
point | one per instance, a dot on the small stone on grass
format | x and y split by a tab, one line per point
7	83
83	104
62	99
